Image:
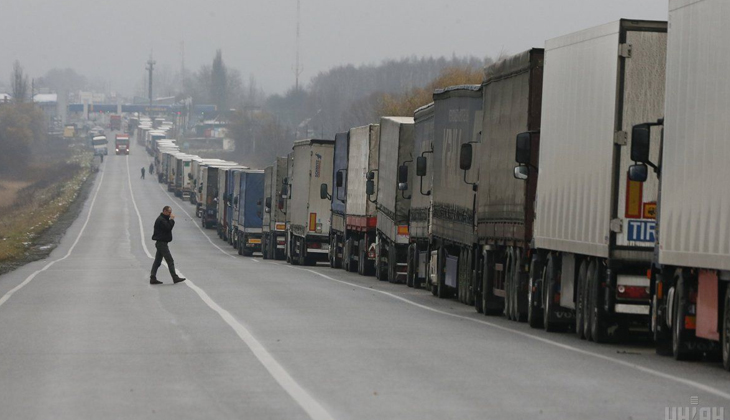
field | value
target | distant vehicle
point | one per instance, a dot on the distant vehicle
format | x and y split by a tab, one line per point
121	144
69	131
115	122
99	143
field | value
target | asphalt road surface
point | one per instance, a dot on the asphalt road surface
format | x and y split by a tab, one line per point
85	336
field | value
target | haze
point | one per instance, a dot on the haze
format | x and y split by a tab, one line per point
112	40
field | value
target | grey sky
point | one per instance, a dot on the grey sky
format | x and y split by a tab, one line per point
113	39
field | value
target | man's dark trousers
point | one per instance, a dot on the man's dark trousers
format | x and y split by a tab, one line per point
163	251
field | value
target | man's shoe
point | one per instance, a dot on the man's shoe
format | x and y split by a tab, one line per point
153	280
178	280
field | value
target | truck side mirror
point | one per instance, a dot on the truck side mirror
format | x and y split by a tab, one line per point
281	203
370	176
638	173
200	189
640	142
522	149
284	191
421	166
465	157
323	194
370	187
235	200
521	172
268	202
339	179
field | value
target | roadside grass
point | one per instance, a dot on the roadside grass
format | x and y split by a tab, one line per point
39	205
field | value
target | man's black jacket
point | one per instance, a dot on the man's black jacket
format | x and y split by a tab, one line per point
163	228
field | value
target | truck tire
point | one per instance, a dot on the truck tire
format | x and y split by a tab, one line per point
599	328
380	272
726	331
411	264
580	301
478	284
293	255
549	281
349	263
509	287
534	296
440	274
264	247
491	304
333	251
679	333
362	257
520	290
393	264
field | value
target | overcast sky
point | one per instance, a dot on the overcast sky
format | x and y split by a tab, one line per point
113	39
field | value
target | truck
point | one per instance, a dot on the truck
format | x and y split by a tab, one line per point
183	176
226	188
419	216
457	121
360	211
209	194
393	198
512	100
688	223
592	237
99	143
338	199
115	122
121	144
273	241
249	200
308	230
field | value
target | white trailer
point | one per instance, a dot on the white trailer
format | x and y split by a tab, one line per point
594	228
308	234
691	311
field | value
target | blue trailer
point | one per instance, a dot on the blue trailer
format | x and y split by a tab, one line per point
250	211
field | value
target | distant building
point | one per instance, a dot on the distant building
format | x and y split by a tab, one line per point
48	103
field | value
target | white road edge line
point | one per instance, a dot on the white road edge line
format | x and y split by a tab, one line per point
310	405
683	381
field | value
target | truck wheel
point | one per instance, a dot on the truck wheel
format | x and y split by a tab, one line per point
549	280
246	252
520	302
362	258
240	248
393	264
726	331
338	249
410	272
265	247
440	274
478	284
580	302
293	255
333	250
679	333
534	309
349	263
598	330
492	305
380	272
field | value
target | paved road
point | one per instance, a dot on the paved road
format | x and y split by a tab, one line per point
84	336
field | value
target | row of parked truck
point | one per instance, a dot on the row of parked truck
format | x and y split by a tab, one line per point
579	187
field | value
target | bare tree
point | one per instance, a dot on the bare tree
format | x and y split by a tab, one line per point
19	83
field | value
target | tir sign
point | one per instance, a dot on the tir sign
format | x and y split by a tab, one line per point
641	230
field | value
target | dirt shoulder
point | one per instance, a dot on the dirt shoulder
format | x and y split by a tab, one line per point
41	212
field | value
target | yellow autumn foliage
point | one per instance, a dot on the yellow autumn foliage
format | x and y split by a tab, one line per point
405	104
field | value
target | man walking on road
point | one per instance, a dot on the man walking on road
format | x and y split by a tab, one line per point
143	172
163	236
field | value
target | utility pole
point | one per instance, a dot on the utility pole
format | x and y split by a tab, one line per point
150	67
297	69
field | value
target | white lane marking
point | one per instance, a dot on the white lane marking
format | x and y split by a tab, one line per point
310	405
47	266
683	381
